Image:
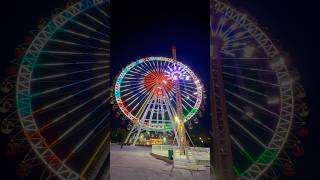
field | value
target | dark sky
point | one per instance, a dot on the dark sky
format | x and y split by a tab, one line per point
144	28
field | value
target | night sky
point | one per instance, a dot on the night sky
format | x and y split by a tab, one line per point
149	28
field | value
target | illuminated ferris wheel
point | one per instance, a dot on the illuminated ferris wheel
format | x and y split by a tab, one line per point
63	92
255	93
146	95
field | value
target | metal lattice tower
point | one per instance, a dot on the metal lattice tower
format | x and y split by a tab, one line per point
221	156
180	117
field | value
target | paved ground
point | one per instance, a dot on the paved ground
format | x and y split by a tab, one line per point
136	163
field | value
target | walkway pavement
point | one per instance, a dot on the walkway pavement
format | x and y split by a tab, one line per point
136	163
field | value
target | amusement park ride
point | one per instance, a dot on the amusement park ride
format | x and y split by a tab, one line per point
158	94
64	67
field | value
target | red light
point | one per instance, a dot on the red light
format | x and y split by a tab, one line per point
156	78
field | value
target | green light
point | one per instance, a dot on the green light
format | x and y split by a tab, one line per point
245	153
236	171
268	156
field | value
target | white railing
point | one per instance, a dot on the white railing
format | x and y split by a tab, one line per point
195	155
161	149
201	155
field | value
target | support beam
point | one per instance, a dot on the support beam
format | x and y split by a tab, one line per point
221	153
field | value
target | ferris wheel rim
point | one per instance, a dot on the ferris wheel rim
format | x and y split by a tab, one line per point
23	86
123	73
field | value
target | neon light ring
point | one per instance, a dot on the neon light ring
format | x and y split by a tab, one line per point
63	93
144	92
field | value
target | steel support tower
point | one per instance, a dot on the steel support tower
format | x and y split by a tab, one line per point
180	117
221	153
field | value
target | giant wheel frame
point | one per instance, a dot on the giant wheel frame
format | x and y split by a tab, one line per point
137	75
242	39
25	89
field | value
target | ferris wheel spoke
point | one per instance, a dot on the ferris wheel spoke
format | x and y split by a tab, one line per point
252	103
145	68
136	81
139	70
103	12
233	49
89	28
242	149
134	95
250	69
97	20
189	83
85	139
145	104
173	110
163	65
68	85
172	96
186	101
72	128
132	84
152	65
184	107
239	39
157	66
137	104
84	35
135	72
72	63
221	24
234	45
188	97
77	44
230	29
191	94
251	117
149	66
247	131
250	79
75	53
247	58
72	110
95	154
143	93
188	90
131	79
70	73
191	89
247	89
71	96
133	88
